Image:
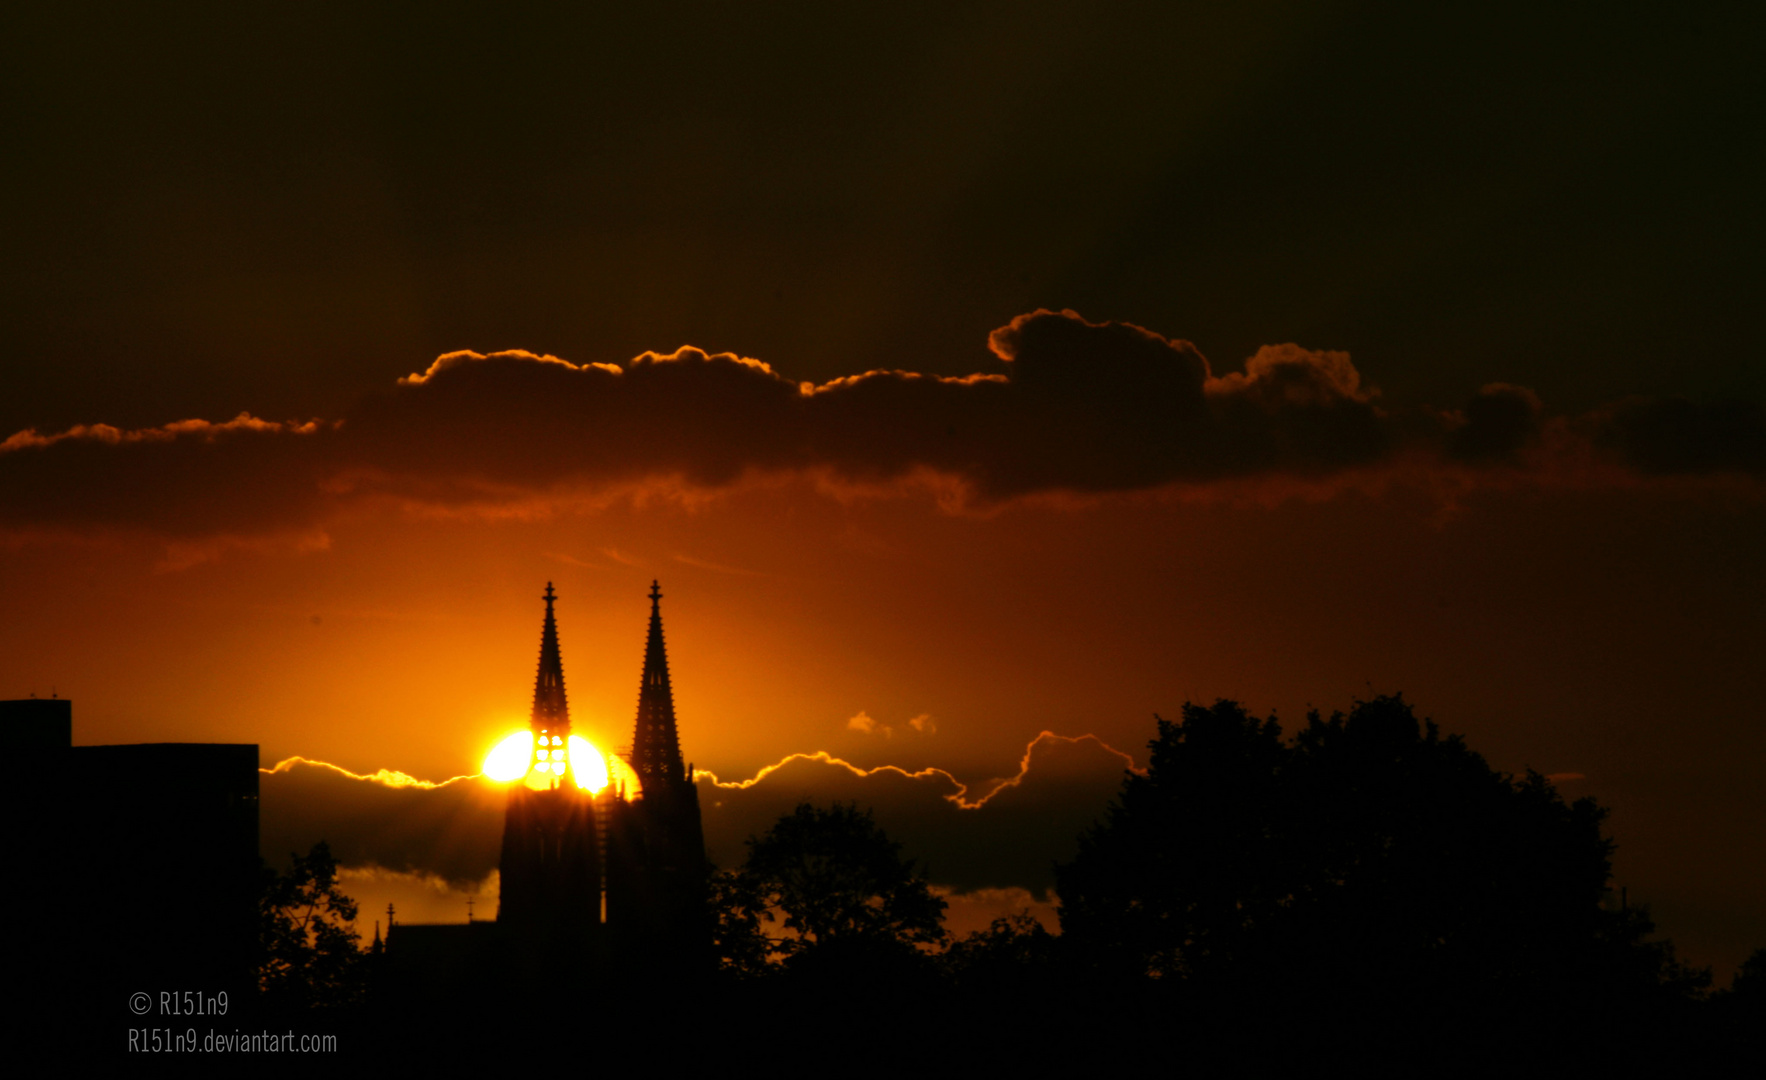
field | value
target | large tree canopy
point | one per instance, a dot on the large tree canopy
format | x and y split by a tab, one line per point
1369	854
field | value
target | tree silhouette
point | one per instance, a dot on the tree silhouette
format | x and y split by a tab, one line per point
1015	952
738	910
1187	862
1368	857
1749	982
836	886
308	953
1741	1014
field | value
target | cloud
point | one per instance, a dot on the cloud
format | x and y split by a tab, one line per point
1003	834
716	568
1498	423
863	724
186	479
1076	408
416	897
1677	436
969	912
451	830
623	560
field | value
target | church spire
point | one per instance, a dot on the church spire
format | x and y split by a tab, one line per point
550	712
656	745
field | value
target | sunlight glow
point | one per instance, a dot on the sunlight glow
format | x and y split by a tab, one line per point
508	760
623	777
587	763
521	757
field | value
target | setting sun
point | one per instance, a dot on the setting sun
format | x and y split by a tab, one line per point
508	759
516	758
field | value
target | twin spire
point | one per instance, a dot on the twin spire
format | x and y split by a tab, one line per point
656	743
550	711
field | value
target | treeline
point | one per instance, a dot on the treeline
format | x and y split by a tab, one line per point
1362	890
1365	887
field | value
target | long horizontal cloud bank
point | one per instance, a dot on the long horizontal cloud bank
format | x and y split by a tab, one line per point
1075	407
1005	834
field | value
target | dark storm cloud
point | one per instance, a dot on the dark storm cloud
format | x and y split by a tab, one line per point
453	830
1500	421
1674	435
1079	407
1006	834
1076	407
339	185
190	478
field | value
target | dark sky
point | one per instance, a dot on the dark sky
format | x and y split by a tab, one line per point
1511	463
216	207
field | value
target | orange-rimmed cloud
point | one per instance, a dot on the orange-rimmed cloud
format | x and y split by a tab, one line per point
1080	409
451	829
387	777
962	794
1002	834
185	479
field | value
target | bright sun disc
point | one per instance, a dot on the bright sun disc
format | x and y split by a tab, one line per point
508	759
514	756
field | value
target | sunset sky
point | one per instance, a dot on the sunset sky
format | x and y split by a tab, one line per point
962	375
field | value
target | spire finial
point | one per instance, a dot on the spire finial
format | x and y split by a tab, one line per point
656	746
551	715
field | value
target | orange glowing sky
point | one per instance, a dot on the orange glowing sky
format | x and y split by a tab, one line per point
1597	634
1412	350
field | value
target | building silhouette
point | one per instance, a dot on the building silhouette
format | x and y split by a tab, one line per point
597	882
137	866
656	866
551	862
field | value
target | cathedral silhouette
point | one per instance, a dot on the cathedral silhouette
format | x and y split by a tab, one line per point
621	864
614	879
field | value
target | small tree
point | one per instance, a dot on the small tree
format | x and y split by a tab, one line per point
1749	981
1014	952
308	952
837	886
1741	1009
737	911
